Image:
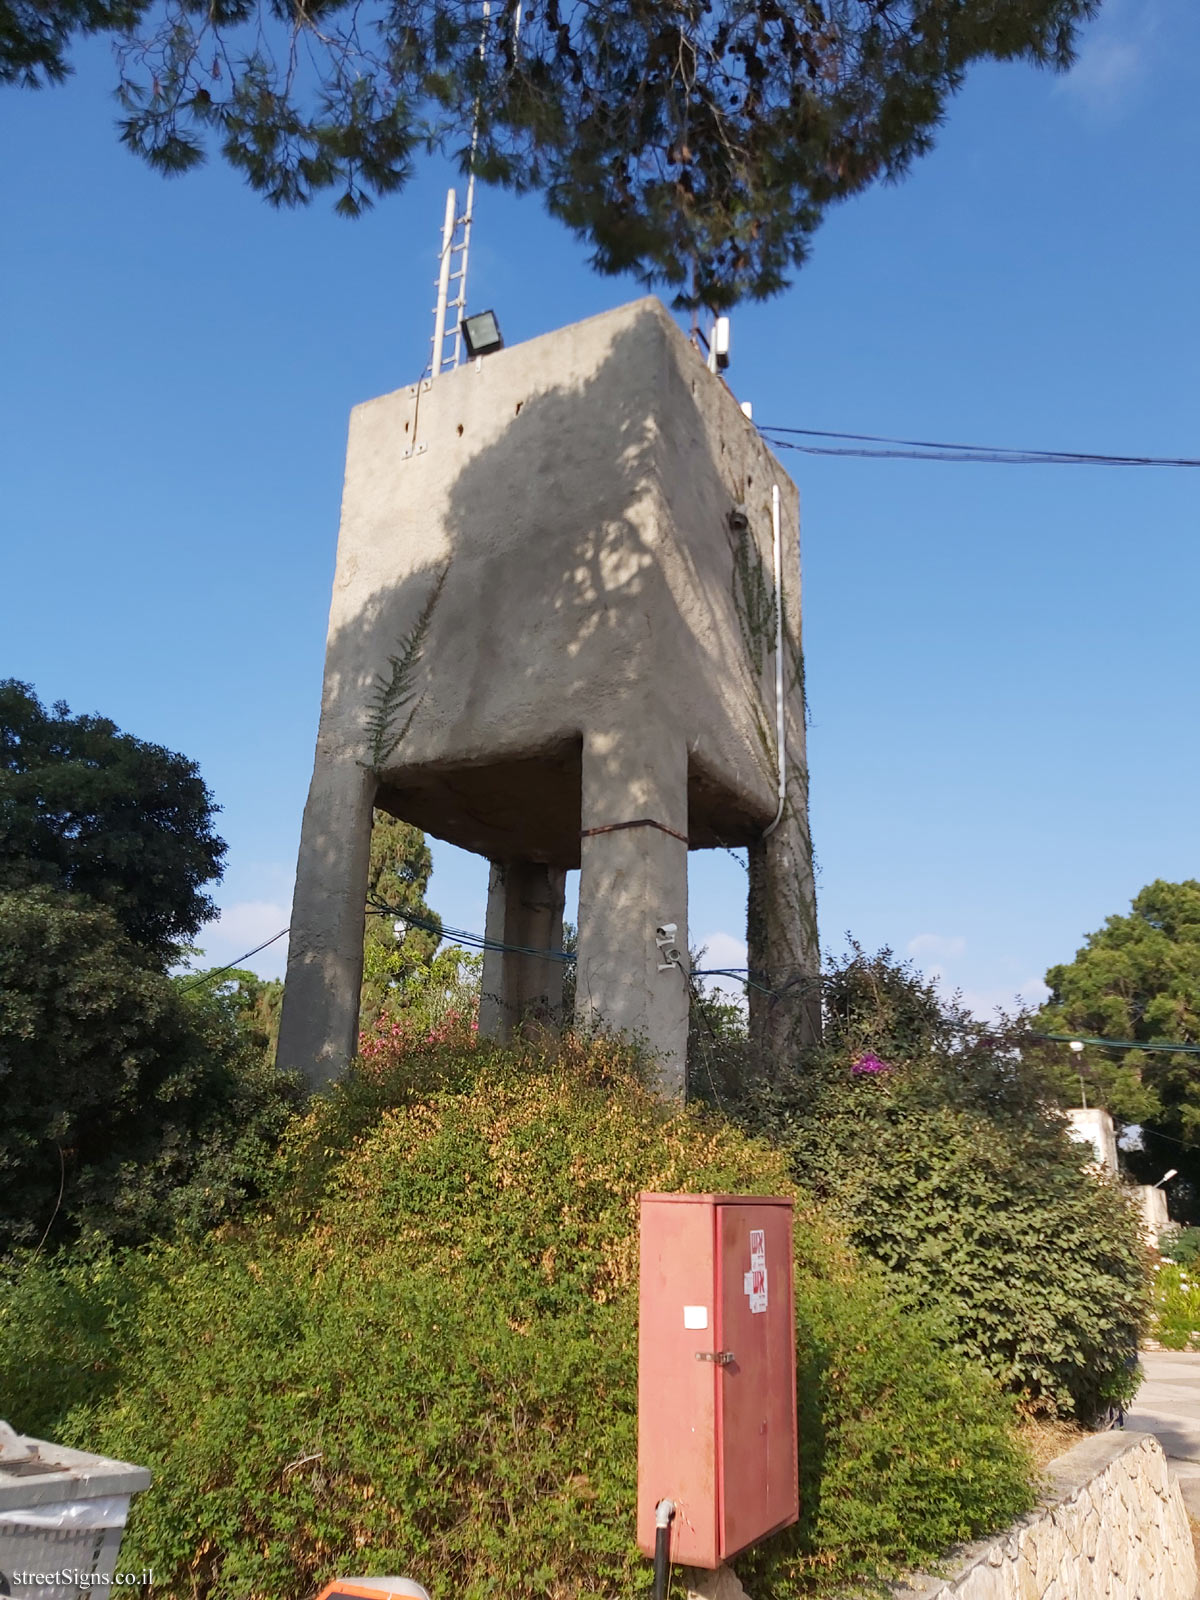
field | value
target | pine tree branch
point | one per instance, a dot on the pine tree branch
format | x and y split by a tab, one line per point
395	689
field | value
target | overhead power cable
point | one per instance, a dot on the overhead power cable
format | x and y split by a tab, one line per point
745	975
219	972
478	941
1171	1047
884	447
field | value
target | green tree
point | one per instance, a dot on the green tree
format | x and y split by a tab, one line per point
246	1005
697	143
134	1103
931	1135
393	951
90	810
1138	979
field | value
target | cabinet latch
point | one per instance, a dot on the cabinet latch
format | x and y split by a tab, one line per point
723	1358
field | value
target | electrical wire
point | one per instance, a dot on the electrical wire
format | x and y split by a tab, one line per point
744	975
1178	1048
217	972
696	1008
478	941
938	450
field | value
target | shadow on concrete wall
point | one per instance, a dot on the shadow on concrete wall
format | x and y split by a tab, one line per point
491	761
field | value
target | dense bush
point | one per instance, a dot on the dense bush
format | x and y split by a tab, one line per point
1175	1323
424	1357
130	1107
934	1142
1181	1245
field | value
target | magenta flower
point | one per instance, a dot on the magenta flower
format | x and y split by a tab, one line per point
869	1063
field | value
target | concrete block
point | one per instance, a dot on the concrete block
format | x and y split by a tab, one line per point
722	1584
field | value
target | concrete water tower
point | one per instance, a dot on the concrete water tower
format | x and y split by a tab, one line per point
565	632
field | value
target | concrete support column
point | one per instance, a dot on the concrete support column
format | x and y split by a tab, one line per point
633	878
318	1027
781	934
525	907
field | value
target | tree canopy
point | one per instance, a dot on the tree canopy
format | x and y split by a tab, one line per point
91	810
696	143
398	876
934	1137
1138	979
134	1104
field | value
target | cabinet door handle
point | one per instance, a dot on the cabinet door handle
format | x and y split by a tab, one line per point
723	1358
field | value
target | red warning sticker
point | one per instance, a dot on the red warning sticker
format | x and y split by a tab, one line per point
754	1283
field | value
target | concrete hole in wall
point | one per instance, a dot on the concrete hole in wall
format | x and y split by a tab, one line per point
460	427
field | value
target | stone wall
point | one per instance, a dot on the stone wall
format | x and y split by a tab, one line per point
1112	1526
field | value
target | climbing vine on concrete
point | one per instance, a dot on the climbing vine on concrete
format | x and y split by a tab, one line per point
753	599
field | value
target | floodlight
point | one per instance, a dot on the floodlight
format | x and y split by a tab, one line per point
482	334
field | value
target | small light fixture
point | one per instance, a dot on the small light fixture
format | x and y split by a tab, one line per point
1166	1177
482	334
720	344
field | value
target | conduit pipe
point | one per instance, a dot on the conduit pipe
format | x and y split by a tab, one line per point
664	1513
779	720
443	288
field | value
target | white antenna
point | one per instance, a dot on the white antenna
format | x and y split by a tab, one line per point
718	345
443	283
460	225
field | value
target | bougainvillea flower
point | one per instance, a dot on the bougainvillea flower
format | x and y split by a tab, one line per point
870	1063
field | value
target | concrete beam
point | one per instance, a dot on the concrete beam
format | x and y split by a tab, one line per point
633	877
525	908
781	934
318	1029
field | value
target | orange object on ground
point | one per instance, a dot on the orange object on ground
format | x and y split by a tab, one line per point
373	1589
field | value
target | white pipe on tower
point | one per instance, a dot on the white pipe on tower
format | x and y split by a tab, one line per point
439	317
779	716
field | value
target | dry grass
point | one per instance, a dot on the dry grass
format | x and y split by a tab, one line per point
1046	1440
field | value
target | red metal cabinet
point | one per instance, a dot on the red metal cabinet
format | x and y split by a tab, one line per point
716	1372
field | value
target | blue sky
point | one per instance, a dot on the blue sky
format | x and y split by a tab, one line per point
1001	660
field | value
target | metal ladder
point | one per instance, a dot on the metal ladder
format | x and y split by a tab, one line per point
452	276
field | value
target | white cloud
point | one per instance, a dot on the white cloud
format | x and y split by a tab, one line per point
936	954
1117	55
241	926
984	1003
723	950
1106	72
936	947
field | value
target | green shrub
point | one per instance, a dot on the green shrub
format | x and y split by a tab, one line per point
1181	1245
933	1142
424	1358
131	1108
1175	1322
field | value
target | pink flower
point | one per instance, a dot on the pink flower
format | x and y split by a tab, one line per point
869	1064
